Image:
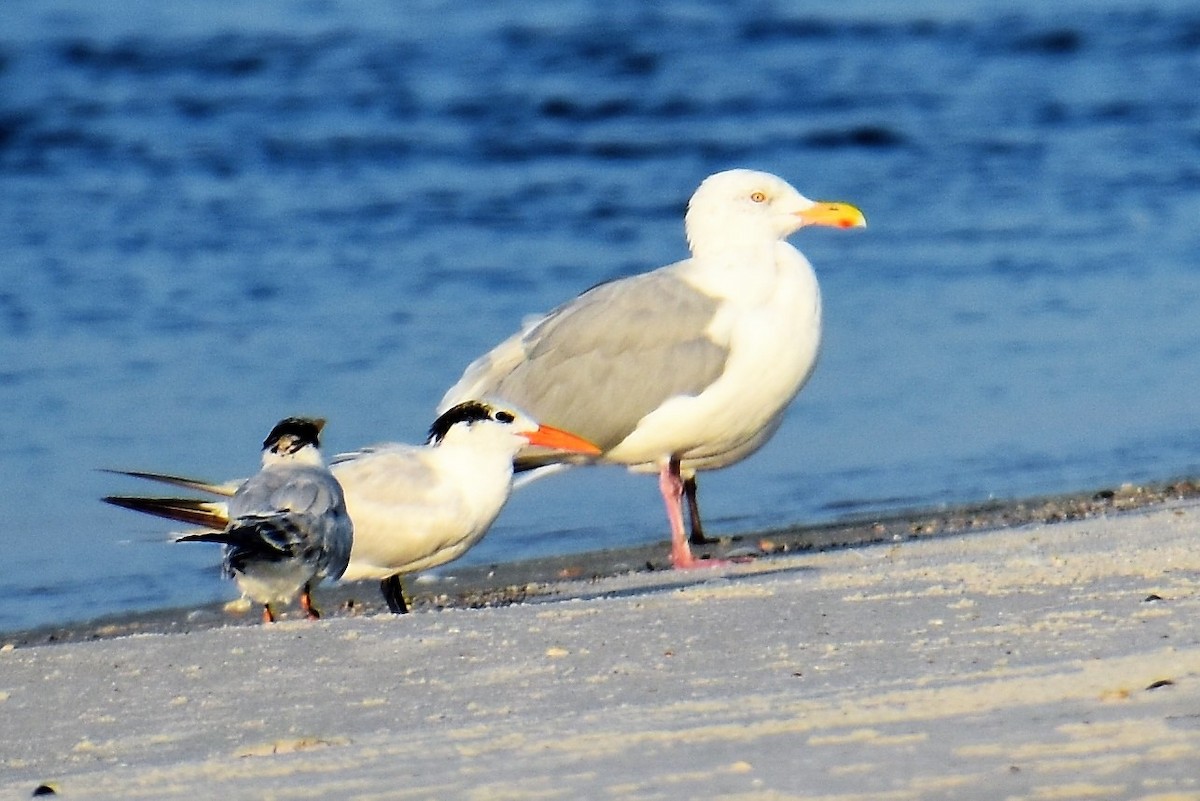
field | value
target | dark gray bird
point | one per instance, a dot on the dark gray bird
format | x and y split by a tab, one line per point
287	525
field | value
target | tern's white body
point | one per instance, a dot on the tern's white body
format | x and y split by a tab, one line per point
417	507
688	367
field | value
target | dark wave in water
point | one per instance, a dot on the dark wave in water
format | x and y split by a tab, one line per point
231	102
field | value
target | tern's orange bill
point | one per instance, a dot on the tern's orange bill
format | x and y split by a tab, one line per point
550	437
838	215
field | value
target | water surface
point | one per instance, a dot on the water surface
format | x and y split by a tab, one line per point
214	217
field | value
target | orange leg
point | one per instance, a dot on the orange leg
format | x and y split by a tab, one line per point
307	605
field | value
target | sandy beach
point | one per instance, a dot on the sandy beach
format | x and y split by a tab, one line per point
1040	661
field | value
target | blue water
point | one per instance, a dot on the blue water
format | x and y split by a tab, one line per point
215	215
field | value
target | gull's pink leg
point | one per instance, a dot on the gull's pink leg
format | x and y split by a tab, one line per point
670	483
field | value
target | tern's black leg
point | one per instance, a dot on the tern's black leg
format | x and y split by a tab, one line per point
689	492
393	594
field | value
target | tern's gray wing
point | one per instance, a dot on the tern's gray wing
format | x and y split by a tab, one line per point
251	539
599	364
395	471
303	501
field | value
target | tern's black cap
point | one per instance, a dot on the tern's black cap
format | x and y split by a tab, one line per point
302	430
468	412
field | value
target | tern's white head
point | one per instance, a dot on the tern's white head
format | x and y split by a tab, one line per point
482	425
294	440
749	207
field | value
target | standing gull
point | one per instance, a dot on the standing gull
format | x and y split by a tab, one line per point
688	367
288	528
413	507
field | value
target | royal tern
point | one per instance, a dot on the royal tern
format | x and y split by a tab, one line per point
688	367
413	507
420	507
287	525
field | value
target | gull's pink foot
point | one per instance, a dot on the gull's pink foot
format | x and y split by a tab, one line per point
672	486
689	562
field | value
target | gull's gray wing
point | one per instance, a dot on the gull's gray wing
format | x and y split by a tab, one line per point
599	364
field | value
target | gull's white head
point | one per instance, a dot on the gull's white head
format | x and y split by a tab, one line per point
294	440
747	207
485	426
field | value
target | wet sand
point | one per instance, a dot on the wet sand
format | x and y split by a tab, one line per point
1040	650
512	582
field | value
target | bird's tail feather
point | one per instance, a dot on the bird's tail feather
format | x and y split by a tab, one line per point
209	514
226	489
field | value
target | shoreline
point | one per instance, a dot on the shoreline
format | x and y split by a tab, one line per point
505	583
1047	660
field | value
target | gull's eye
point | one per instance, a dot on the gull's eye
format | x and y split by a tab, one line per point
505	417
759	197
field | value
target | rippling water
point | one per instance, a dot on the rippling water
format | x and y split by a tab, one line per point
213	216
